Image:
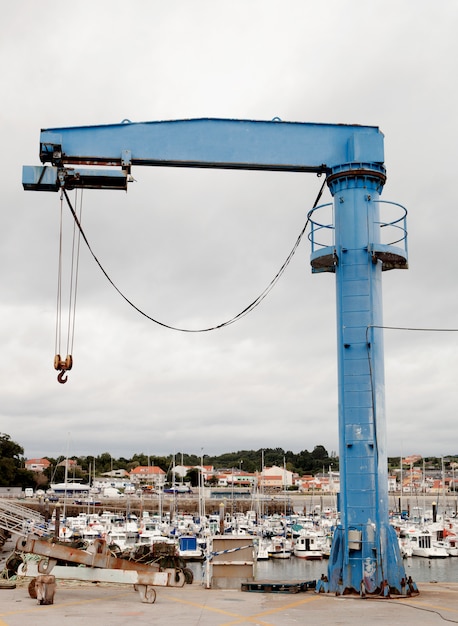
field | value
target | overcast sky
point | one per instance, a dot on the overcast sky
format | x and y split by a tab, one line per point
193	248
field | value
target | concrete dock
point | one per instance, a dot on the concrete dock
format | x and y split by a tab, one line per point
94	604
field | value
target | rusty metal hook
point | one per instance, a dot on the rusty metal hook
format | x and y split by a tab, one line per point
60	377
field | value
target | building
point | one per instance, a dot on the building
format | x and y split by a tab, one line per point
235	478
37	465
70	464
392	484
148	475
181	471
276	477
117	473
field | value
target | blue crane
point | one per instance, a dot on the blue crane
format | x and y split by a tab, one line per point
365	556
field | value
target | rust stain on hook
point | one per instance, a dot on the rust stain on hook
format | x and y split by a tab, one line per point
61	377
63	367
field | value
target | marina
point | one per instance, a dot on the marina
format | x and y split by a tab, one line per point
281	591
284	547
285	601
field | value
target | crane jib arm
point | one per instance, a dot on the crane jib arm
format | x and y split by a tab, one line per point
203	143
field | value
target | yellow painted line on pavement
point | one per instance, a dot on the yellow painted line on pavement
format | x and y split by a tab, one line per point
206	607
279	609
50	607
240	619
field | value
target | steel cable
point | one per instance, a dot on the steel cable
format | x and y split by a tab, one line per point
237	317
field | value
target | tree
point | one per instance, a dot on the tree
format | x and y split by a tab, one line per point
11	460
9	449
193	476
104	462
319	452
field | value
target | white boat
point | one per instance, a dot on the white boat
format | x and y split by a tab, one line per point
262	549
69	489
327	545
190	549
450	537
423	545
444	536
122	538
147	536
309	545
123	532
279	547
451	545
405	546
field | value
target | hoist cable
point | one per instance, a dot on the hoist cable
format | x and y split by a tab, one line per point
77	271
70	295
59	286
237	317
74	277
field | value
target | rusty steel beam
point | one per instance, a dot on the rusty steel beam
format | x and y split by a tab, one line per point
98	555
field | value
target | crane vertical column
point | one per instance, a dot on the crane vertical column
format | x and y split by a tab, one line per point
365	554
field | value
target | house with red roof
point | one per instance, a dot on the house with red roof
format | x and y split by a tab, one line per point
147	475
37	465
182	470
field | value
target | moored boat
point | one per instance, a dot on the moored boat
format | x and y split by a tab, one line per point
262	549
279	547
189	548
308	545
423	545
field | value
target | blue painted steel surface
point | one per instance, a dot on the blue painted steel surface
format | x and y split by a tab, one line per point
49	178
365	555
235	144
365	550
392	251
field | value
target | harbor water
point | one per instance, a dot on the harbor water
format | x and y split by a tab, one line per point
420	569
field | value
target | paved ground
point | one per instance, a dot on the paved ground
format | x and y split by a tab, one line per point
97	604
90	604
